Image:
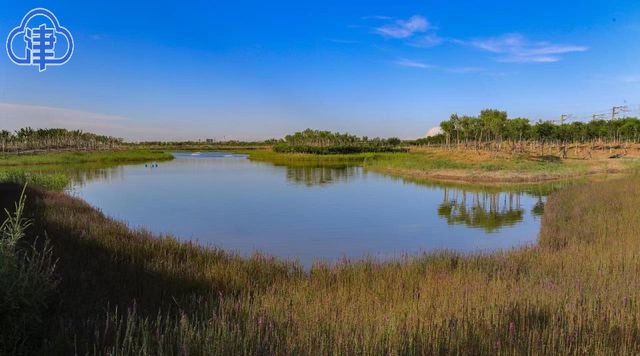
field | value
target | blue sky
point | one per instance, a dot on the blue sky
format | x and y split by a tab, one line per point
260	69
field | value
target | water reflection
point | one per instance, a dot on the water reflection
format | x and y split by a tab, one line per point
81	175
489	211
485	208
319	176
247	206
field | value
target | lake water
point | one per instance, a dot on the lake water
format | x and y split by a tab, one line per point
308	213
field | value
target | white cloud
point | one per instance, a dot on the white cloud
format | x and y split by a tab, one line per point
15	116
464	70
405	28
410	63
515	48
430	40
403	62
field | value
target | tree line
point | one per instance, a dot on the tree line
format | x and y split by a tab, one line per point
327	142
29	139
494	125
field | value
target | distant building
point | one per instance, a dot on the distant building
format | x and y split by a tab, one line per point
209	140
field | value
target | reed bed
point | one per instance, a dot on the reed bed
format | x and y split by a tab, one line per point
128	292
63	158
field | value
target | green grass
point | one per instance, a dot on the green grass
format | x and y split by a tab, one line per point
129	292
53	181
10	160
426	161
302	159
437	164
55	171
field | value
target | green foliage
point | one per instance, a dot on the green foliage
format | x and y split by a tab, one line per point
326	142
492	125
45	139
26	282
53	181
116	156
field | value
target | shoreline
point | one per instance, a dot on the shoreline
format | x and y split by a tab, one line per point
473	174
101	261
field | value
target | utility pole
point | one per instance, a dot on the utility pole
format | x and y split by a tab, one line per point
564	117
595	117
617	110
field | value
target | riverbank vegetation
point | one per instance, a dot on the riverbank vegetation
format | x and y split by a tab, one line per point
493	130
53	181
29	139
489	167
128	292
326	142
55	170
27	281
60	158
438	163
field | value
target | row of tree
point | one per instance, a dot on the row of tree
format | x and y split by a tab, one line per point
494	125
29	139
327	142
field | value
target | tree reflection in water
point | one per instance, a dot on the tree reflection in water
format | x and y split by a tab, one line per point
318	176
489	211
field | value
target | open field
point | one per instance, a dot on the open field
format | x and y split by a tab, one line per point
576	292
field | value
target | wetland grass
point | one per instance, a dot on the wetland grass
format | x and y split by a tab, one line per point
60	158
129	292
456	165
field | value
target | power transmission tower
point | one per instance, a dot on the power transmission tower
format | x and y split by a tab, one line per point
617	110
564	117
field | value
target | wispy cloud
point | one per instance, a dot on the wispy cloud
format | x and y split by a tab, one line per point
405	28
515	48
411	63
417	31
426	41
404	62
464	70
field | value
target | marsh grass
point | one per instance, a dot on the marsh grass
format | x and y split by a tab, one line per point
26	283
442	159
451	165
129	292
53	181
63	158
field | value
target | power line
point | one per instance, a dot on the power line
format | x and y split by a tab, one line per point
616	110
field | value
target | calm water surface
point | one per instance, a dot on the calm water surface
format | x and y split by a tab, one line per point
310	213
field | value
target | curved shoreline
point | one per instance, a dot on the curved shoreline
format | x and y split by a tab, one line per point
391	164
524	298
488	179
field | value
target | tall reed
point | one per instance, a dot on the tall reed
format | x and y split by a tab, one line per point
128	292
